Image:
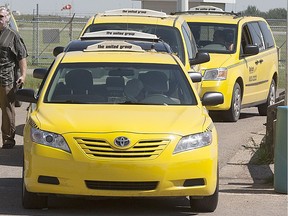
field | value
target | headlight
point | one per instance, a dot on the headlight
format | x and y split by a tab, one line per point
49	139
193	141
215	74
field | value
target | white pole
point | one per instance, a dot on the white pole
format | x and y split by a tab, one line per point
182	5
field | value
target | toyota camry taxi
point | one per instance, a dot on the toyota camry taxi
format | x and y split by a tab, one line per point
116	120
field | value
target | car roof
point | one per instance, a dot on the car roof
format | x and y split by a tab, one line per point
135	16
144	40
214	15
117	51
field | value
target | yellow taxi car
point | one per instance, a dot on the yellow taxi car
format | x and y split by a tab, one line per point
112	119
244	59
172	29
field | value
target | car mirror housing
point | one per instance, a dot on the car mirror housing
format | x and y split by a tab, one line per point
57	50
250	50
40	73
201	57
26	95
212	98
195	76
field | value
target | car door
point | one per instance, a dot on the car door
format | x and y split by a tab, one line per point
262	60
249	68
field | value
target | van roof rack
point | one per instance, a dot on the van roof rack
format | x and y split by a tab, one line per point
135	12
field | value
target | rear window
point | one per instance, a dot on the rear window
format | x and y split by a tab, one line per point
169	34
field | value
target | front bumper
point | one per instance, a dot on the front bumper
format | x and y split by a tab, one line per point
192	173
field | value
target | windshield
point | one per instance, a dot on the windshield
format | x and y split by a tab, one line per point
121	83
214	37
169	34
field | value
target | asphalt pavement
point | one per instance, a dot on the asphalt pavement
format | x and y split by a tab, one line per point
246	189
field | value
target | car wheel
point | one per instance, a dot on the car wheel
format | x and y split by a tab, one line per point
32	200
262	109
233	113
206	204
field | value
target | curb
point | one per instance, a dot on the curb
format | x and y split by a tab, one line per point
239	171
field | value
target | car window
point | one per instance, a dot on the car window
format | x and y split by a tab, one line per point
257	35
268	37
169	34
214	37
109	83
189	40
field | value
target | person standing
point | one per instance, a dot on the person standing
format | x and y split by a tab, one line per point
13	53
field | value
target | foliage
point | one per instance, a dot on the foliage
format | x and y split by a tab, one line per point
277	13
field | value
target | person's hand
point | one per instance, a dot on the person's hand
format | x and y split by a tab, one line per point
20	81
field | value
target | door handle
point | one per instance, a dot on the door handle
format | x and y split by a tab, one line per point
259	61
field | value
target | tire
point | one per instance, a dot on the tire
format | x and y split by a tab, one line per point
233	113
32	200
208	203
262	109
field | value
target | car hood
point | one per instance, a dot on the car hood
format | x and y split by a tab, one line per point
130	118
218	60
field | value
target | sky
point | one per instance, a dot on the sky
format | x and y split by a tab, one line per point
90	7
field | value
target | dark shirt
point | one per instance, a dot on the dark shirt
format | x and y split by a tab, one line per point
12	50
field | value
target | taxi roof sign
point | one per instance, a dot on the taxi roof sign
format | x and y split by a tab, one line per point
205	8
125	34
114	46
135	12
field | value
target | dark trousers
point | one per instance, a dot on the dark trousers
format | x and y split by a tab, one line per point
7	100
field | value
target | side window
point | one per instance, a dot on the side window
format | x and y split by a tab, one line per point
191	45
246	38
268	37
257	35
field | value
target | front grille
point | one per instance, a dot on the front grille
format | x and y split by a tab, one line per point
142	149
107	185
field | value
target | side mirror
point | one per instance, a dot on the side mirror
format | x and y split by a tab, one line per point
201	57
212	98
26	95
195	76
57	50
250	50
40	73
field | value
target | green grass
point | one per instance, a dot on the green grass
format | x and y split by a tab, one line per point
31	82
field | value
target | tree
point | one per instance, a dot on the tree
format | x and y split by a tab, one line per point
277	13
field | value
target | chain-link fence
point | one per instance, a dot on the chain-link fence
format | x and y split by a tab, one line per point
42	34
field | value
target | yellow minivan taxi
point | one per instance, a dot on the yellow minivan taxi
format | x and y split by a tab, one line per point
115	120
244	59
172	29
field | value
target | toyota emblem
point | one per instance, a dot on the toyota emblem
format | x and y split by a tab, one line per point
121	141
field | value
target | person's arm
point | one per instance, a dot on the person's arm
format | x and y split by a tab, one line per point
23	70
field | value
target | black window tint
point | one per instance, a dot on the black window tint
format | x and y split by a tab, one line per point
257	35
246	38
268	37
